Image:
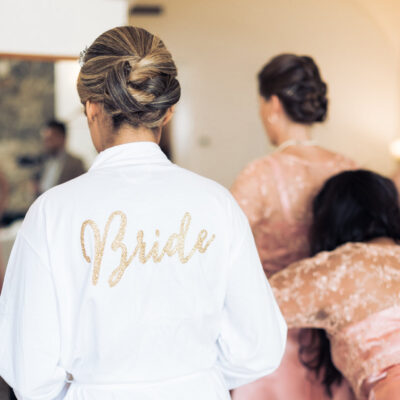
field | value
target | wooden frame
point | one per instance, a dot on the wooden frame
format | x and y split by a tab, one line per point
38	57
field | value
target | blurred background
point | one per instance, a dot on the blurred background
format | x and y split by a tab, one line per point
219	46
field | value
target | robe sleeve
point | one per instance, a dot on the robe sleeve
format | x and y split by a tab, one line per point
29	318
310	292
253	332
302	289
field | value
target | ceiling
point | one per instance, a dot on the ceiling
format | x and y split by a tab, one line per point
386	14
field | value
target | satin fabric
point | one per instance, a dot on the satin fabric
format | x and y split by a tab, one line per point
387	388
367	352
352	293
276	193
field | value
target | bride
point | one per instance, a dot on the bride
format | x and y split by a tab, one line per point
139	279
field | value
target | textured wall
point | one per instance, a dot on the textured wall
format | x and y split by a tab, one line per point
26	103
27	98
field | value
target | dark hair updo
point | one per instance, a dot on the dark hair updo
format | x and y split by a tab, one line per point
297	83
130	72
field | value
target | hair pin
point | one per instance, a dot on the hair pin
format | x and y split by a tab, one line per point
82	56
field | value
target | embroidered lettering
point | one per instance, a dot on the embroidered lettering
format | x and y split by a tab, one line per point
175	244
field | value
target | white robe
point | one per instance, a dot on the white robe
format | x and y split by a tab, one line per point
138	280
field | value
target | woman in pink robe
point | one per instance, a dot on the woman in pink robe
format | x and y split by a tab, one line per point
352	290
275	192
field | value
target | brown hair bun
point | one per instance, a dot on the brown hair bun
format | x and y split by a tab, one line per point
131	72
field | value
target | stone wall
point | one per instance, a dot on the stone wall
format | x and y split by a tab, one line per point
26	103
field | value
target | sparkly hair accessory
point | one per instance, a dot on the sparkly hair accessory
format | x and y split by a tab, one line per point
289	92
82	55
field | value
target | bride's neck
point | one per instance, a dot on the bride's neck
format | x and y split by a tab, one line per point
127	134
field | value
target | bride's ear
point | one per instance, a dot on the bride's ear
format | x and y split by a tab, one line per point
92	110
168	115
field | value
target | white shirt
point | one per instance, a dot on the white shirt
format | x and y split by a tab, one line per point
137	280
51	171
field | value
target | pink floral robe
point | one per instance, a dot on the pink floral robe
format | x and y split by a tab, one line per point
353	294
276	194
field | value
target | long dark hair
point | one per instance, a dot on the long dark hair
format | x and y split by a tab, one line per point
353	206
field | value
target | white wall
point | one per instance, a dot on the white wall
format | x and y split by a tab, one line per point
386	13
69	109
219	47
56	27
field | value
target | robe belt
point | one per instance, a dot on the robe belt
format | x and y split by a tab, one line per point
141	384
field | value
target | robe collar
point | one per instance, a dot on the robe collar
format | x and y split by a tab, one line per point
130	154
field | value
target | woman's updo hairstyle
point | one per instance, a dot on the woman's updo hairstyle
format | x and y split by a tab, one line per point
132	74
297	83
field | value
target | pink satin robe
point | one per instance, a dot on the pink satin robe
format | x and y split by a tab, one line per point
276	194
352	293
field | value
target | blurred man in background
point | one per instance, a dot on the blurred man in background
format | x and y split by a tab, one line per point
57	165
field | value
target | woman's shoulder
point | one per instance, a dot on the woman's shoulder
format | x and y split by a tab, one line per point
257	165
205	189
255	173
329	259
366	249
275	159
354	253
343	161
318	156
